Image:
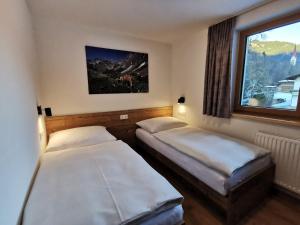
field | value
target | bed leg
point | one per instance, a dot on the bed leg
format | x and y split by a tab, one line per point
246	198
231	218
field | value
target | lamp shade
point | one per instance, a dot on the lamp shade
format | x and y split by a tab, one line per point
181	100
48	111
39	110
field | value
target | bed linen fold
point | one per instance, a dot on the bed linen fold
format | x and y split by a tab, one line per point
101	184
219	152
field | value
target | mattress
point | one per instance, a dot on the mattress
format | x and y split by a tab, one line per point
217	181
103	184
173	216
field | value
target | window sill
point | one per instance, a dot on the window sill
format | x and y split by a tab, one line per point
272	120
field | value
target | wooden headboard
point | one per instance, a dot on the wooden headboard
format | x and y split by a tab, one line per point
122	129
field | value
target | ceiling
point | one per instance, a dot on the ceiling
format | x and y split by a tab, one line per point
161	20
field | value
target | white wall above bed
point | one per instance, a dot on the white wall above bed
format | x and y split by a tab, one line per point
64	85
189	58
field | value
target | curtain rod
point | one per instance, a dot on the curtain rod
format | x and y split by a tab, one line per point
256	6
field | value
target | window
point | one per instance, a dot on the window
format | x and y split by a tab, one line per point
268	74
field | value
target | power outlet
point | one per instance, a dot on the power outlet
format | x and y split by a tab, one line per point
124	117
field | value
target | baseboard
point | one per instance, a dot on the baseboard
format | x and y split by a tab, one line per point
285	192
20	219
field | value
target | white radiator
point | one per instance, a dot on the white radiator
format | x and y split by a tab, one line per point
286	155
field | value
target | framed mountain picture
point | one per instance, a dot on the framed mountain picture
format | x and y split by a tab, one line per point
116	71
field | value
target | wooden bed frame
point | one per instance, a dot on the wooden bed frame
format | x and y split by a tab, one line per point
122	129
239	201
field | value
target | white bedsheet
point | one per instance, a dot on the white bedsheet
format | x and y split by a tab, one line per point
173	216
217	181
216	151
103	184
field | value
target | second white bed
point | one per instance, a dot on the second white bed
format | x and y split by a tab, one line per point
219	182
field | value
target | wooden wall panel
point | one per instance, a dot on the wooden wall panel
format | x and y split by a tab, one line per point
122	129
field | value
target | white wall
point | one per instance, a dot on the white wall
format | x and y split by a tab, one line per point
64	84
19	146
188	70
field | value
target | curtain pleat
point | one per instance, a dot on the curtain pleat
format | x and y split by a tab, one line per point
216	100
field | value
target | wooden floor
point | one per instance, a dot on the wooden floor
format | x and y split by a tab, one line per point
277	209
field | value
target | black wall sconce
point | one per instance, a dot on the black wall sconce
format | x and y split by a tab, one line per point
48	111
39	110
181	100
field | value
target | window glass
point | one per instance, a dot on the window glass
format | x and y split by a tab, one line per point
271	76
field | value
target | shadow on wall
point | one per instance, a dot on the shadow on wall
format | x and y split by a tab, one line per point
214	121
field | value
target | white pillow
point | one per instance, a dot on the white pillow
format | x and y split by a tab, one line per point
158	124
78	137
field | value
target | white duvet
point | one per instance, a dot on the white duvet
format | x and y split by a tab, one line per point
216	151
104	184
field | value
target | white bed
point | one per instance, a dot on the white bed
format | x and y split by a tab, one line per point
216	180
100	183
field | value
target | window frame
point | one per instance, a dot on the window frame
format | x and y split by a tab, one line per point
263	112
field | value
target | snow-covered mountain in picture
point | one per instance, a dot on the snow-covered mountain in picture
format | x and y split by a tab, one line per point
116	71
